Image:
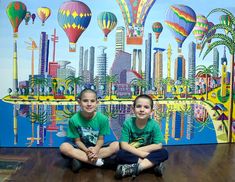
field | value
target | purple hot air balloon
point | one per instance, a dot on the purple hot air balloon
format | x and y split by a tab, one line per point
33	16
180	19
209	34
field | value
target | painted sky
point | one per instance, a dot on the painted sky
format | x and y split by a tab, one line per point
93	36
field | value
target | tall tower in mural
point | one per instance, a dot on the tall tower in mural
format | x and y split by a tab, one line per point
43	54
179	67
102	65
140	61
169	53
157	66
85	72
81	50
216	62
91	63
192	65
148	47
177	125
134	59
15	68
120	39
224	63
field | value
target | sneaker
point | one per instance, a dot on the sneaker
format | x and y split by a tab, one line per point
158	170
76	165
126	170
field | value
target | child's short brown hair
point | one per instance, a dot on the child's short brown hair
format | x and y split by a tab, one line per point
144	96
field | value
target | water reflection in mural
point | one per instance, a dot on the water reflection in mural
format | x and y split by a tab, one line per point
46	125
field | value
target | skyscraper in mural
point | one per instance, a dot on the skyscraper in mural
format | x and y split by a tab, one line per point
179	68
157	67
120	39
85	71
134	59
102	65
216	62
81	50
177	125
192	65
224	63
65	71
140	61
43	54
121	64
148	47
91	63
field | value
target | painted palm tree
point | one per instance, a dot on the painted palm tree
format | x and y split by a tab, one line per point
207	71
140	83
186	83
228	40
110	79
162	85
76	81
39	83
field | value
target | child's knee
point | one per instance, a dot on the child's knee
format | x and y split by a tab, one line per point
114	147
64	147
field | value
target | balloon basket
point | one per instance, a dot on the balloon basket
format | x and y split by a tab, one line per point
105	39
15	35
72	47
199	46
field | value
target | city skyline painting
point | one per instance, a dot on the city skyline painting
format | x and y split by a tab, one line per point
179	52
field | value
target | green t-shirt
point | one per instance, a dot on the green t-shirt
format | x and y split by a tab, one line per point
88	130
150	134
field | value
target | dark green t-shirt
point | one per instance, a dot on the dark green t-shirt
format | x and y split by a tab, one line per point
150	134
88	130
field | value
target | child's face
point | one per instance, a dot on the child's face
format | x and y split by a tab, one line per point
88	102
143	108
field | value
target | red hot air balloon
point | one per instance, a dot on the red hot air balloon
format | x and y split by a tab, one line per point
16	12
74	17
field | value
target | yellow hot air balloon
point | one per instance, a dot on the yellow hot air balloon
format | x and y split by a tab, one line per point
43	14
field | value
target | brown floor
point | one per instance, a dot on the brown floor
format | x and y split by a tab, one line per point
189	163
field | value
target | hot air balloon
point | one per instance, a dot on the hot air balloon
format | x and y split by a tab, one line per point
27	17
107	22
157	29
180	19
33	17
200	29
226	20
43	14
209	34
134	14
16	12
74	17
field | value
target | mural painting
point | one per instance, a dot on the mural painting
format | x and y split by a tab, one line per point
179	52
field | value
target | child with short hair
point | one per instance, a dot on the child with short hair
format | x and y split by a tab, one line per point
87	128
141	141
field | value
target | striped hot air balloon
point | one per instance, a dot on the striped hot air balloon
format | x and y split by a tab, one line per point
74	17
200	29
157	29
226	20
107	22
43	14
180	19
16	12
135	13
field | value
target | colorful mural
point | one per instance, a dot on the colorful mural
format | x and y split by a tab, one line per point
181	53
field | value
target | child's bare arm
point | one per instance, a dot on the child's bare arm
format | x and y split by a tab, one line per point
151	147
133	150
81	145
